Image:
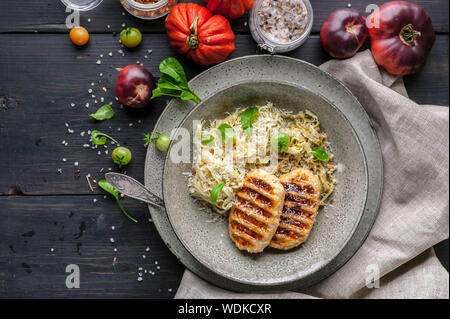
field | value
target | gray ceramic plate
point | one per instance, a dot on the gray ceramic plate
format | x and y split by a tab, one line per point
202	243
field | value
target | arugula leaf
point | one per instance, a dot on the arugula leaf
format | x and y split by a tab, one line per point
226	132
104	113
247	119
99	138
320	154
216	192
173	82
114	192
209	139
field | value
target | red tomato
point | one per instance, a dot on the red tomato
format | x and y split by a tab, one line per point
343	33
402	37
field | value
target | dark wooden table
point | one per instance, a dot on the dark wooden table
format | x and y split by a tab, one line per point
49	217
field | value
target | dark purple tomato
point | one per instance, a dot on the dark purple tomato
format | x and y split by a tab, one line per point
343	33
135	86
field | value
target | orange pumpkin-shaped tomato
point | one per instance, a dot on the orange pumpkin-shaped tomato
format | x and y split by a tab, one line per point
193	30
232	9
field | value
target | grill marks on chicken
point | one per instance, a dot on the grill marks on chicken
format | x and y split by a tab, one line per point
255	217
300	208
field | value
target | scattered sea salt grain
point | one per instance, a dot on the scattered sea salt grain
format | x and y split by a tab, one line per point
99	153
64	159
101	74
108	26
89	20
147	249
139	279
92	84
123	25
66	124
149	51
113	227
115	250
59	171
99	62
90	91
76	163
111	240
86	145
94	200
110	54
157	267
87	104
52	249
72	104
143	256
70	131
101	55
82	133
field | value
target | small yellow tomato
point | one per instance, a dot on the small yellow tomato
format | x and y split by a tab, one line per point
79	36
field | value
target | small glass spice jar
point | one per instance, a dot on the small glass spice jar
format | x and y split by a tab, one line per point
148	9
81	5
281	26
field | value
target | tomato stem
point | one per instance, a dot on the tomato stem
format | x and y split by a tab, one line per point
192	40
408	35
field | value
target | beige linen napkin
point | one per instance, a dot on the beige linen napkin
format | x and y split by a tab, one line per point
415	205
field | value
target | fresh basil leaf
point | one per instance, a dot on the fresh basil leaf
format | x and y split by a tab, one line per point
99	138
209	139
320	154
216	192
280	142
162	91
173	68
247	119
189	95
226	132
173	82
114	192
104	113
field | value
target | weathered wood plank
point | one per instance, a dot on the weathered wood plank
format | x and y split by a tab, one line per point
43	75
79	232
42	16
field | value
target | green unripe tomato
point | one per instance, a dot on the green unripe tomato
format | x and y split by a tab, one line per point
121	156
130	37
280	142
163	143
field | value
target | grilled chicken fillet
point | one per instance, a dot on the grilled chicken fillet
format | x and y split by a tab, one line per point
256	214
300	208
